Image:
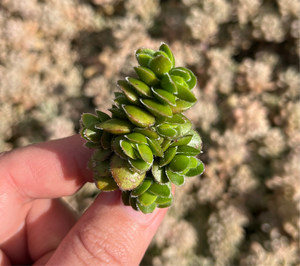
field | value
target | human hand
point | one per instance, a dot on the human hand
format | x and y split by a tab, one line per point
37	228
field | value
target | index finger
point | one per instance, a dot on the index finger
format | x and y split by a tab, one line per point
46	170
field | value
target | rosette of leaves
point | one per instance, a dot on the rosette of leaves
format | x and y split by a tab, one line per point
147	144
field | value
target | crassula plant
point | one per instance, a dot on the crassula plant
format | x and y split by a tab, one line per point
147	144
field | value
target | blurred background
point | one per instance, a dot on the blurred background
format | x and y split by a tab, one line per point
59	58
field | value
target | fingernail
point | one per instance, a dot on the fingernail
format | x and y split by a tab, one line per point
138	215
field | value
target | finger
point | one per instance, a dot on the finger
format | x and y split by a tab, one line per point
46	170
108	234
48	222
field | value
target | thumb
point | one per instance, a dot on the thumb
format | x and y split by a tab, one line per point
108	233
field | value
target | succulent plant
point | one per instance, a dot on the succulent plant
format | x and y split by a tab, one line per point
147	144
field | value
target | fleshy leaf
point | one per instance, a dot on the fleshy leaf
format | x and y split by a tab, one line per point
179	163
140	87
146	209
166	205
117	147
187	150
147	198
100	167
159	173
182	141
165	48
187	126
106	140
176	119
105	183
136	138
196	141
166	144
101	154
194	162
147	76
130	93
138	116
156	108
155	147
145	152
168	156
168	84
181	106
120	100
116	126
175	178
88	119
142	188
183	91
181	72
118	113
133	203
128	149
140	165
125	178
161	190
160	65
163	200
164	96
196	171
102	116
126	198
92	145
147	132
93	134
167	130
144	55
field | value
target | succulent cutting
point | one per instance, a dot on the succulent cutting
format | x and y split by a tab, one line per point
147	144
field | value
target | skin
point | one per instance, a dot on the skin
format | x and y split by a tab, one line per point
40	229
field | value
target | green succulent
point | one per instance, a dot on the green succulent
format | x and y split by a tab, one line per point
147	144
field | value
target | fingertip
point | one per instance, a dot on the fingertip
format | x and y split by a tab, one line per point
113	233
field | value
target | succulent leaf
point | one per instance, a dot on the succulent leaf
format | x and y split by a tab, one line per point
101	154
175	178
179	163
146	209
145	152
125	178
137	138
159	173
164	96
165	48
140	87
130	93
146	75
142	188
161	190
160	65
197	170
168	156
156	108
147	198
102	116
138	116
116	126
88	119
105	183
